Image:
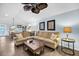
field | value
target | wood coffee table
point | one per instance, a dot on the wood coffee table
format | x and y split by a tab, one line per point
34	46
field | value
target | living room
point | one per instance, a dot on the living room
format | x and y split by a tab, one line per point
52	27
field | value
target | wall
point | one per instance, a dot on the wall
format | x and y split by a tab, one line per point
66	19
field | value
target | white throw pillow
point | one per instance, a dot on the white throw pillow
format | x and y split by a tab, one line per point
53	36
19	36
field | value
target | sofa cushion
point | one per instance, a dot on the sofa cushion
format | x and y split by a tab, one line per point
44	34
43	39
25	34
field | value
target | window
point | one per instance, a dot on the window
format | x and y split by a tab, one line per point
3	30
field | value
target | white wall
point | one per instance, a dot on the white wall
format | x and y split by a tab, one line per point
66	19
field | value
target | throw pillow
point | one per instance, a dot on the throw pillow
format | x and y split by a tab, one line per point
19	36
53	36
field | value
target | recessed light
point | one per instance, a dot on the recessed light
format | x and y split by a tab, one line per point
6	14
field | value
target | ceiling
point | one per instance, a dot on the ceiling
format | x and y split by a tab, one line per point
8	11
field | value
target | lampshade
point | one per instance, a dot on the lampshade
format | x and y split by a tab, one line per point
13	27
67	29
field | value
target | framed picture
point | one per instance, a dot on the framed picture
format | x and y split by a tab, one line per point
42	25
51	25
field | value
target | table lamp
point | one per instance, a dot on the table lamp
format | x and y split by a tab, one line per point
67	30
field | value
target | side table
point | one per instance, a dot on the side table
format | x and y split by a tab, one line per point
68	40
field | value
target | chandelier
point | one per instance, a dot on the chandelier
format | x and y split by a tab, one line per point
34	7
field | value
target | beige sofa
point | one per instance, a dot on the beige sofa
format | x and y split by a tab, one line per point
43	36
21	37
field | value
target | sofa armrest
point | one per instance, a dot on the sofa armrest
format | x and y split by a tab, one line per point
57	41
21	39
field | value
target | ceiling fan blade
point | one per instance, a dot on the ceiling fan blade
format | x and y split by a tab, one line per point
35	10
24	3
27	8
42	6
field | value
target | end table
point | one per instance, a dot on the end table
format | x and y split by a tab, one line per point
68	40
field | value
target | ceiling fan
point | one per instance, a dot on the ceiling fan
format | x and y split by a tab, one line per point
34	7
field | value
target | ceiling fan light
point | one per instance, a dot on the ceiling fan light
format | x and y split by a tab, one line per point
34	7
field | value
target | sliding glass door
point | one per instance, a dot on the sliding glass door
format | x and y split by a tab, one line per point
3	30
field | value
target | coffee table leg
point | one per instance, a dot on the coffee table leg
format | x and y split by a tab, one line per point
43	50
40	52
25	47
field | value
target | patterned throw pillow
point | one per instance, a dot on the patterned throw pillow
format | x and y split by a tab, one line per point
53	36
19	36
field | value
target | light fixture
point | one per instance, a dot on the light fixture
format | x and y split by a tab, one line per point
34	7
6	14
29	28
67	30
13	27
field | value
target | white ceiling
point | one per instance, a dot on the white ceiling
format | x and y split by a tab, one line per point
22	17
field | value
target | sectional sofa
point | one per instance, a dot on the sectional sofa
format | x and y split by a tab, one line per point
43	36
